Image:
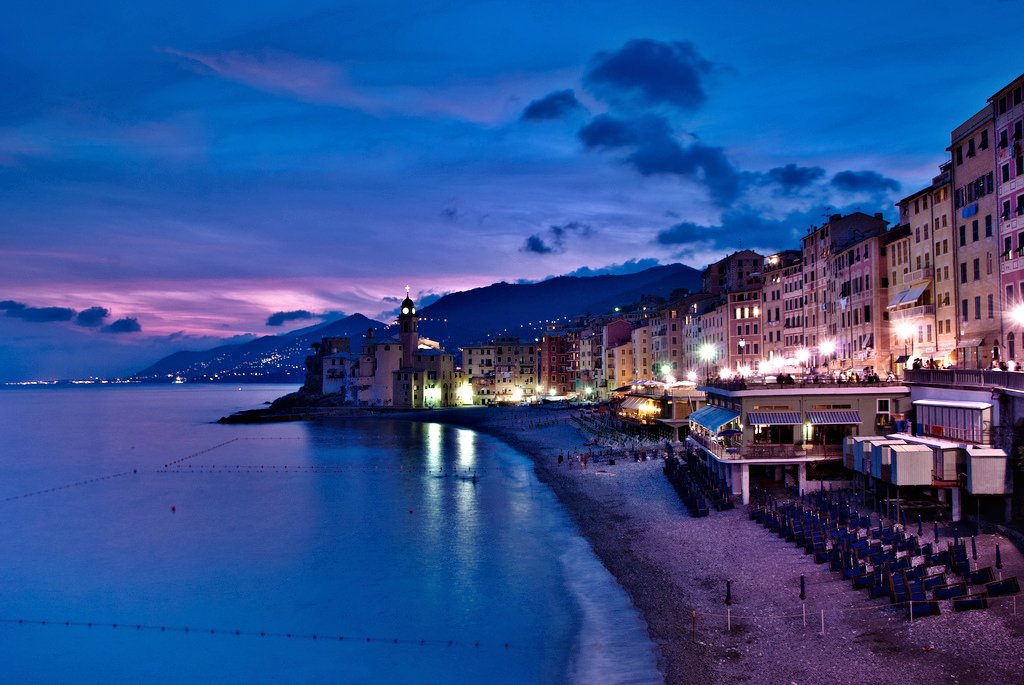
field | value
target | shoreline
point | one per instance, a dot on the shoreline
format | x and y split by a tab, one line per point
672	565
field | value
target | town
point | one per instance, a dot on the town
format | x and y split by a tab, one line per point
887	350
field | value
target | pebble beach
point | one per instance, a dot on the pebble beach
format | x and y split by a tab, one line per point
675	568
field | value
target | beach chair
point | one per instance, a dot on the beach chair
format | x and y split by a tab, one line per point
1003	588
972	603
918	609
950	591
980	577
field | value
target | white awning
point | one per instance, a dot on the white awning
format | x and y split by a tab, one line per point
909	294
953	404
972	342
774	418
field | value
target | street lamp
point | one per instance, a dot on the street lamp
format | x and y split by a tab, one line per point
826	348
802	355
706	352
743	347
906	331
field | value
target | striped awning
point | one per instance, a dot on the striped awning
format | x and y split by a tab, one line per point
834	417
713	418
774	418
632	403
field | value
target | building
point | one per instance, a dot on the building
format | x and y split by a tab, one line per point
1009	161
976	243
755	433
781	275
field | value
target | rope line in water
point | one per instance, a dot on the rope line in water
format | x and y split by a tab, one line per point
237	632
68	486
196	454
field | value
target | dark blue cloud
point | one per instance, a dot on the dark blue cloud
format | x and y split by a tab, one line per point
646	73
126	325
864	182
18	310
741	227
630	266
91	317
792	178
557	105
657	150
279	318
556	237
536	245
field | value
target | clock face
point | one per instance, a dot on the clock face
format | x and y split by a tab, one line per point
405	310
413	310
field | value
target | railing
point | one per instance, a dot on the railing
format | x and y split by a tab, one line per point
767	451
975	378
806	382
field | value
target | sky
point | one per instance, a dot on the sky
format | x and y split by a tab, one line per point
177	175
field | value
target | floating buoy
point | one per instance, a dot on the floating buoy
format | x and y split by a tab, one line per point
173	509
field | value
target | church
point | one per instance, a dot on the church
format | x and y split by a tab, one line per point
405	372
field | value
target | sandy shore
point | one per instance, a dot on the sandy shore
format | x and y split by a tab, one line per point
672	565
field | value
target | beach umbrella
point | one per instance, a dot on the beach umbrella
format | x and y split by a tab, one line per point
999	558
803	590
920	526
956	540
728	592
974	549
936	524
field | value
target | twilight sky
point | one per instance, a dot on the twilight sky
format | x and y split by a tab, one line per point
175	174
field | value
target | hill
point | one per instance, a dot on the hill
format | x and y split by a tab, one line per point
270	359
522	309
455	320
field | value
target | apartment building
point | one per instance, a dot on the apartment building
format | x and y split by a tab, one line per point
1008	110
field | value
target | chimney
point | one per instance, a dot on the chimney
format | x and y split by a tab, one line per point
878	215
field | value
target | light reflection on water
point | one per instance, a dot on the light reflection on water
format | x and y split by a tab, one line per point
337	527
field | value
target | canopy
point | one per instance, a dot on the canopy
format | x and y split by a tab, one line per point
774	418
972	342
903	358
909	294
834	417
633	403
713	418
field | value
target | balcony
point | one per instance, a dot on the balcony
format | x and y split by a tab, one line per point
967	378
913	312
767	451
919	275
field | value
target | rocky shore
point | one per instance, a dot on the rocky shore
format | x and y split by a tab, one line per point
675	569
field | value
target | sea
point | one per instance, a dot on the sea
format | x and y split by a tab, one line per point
142	542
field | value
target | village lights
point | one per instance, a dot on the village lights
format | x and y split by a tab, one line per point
691	376
906	331
726	374
666	369
827	347
1017	314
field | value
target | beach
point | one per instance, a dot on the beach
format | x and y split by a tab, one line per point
675	567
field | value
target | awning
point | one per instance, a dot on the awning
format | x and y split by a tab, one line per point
954	404
623	388
971	342
909	295
632	403
713	418
774	418
903	359
834	417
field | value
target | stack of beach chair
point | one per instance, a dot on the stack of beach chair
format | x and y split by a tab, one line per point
885	561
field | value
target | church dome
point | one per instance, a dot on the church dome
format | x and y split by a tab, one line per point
408	306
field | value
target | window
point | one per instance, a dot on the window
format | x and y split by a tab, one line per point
970	148
988	264
1006	210
963	272
1004	139
977	306
974	231
963	229
988	225
959	155
1006	173
867	313
984	140
963	308
991	306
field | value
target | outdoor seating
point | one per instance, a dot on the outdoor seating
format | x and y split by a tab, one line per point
1003	588
917	609
971	603
980	577
950	591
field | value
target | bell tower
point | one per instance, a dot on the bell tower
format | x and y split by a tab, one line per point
408	332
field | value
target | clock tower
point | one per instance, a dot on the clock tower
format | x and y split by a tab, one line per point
408	333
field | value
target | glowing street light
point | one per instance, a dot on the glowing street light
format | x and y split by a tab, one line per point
707	352
826	348
802	355
691	376
906	331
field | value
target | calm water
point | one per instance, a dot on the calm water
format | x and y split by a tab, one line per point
350	528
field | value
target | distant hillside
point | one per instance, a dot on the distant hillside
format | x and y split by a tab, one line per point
476	315
454	320
270	359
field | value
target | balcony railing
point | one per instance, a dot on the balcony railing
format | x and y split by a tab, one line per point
977	378
767	451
